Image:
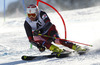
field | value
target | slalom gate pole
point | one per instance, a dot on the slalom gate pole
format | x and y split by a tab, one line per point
23	2
4	11
66	40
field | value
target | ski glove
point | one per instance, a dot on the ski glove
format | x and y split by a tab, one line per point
35	33
41	48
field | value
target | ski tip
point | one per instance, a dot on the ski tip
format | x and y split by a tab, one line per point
84	52
28	57
23	57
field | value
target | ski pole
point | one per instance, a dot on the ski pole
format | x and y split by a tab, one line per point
66	40
80	43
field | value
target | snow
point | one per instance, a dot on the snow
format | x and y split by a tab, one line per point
82	26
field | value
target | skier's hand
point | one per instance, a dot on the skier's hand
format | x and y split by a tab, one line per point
35	33
41	48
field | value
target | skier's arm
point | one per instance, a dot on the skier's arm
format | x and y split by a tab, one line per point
46	19
28	30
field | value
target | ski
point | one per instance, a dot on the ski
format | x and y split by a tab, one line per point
37	57
28	58
83	52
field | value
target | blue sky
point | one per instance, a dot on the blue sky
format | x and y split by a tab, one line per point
7	3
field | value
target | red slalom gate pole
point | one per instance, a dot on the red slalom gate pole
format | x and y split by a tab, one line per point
38	2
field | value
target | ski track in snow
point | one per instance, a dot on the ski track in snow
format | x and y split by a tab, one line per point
82	26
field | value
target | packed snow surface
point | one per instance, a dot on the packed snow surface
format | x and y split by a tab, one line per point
82	25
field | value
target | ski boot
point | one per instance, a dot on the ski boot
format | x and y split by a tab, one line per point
79	49
59	53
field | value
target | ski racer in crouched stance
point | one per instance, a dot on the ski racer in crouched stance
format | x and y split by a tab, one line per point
38	22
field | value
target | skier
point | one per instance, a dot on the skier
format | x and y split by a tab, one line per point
38	22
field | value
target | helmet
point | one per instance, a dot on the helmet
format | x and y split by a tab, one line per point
32	10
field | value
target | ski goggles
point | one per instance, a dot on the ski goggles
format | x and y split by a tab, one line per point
32	15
